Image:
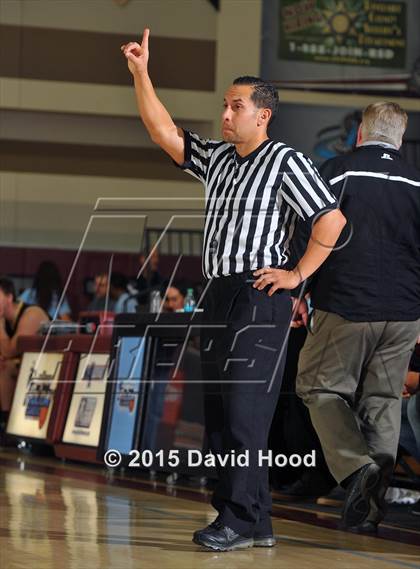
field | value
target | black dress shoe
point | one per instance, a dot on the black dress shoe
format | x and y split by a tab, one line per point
222	538
365	485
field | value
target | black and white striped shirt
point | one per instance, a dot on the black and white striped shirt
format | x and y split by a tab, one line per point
252	202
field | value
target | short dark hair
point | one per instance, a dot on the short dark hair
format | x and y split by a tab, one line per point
180	285
264	95
7	286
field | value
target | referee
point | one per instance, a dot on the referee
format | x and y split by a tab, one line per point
255	191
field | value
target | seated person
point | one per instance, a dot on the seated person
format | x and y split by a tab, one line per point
174	297
16	319
46	292
123	300
99	302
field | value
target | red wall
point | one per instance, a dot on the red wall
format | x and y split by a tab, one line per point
23	262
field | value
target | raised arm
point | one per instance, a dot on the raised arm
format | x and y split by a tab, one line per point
154	115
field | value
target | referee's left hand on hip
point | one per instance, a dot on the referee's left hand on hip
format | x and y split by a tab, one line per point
279	278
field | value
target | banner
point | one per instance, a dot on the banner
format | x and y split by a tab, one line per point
354	32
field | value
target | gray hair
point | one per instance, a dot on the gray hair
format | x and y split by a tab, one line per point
384	122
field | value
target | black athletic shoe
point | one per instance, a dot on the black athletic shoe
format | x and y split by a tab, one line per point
214	525
263	534
264	540
222	539
364	486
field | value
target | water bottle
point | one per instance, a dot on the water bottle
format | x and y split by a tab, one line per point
155	301
189	303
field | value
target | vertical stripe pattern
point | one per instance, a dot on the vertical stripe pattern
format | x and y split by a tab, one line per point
252	202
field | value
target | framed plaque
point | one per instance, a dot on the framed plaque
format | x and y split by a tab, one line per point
34	394
84	418
125	394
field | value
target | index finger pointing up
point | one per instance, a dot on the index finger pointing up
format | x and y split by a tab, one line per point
145	40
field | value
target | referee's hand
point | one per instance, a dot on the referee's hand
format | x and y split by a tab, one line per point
299	313
137	54
279	278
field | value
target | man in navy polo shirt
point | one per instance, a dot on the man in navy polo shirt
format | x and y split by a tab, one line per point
367	315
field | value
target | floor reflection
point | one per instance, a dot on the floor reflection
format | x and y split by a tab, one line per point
67	521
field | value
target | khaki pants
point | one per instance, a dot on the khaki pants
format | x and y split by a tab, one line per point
350	376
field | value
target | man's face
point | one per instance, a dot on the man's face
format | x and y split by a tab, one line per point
101	285
240	117
6	300
174	300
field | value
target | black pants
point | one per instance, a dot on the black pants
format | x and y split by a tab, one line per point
243	347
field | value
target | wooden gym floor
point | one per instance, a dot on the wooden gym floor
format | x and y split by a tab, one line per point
61	515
